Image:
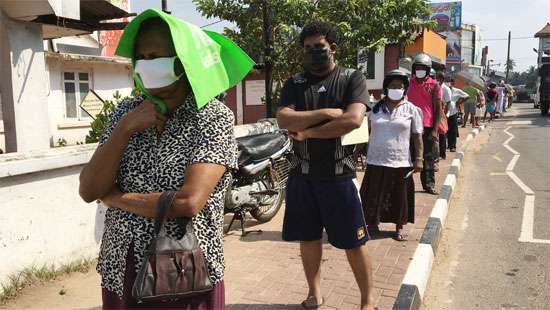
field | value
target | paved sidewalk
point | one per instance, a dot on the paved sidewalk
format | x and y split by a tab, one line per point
263	272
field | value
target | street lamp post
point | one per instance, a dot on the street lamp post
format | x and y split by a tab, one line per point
164	4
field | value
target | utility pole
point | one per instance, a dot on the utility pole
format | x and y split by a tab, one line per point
268	62
165	6
508	57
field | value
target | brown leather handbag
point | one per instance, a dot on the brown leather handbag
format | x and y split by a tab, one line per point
172	269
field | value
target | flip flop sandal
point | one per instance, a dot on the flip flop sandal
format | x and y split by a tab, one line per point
311	303
400	236
431	191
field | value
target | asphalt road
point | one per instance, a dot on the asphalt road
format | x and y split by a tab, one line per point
481	262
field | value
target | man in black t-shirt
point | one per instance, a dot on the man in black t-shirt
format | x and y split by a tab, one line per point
318	107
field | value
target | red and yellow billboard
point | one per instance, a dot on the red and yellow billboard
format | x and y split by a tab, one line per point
109	38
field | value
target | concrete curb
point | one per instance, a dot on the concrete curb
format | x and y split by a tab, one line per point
414	283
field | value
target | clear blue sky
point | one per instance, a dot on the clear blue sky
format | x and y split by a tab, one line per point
494	17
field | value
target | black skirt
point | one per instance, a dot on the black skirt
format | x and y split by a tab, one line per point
386	196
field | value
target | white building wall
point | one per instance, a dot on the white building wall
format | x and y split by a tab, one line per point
378	80
24	91
44	222
105	79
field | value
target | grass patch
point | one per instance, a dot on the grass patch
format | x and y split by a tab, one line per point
33	275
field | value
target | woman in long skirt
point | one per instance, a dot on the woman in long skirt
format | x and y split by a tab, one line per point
387	191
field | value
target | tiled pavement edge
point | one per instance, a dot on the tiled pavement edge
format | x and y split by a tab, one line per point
413	287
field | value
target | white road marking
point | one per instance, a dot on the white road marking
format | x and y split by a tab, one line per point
509	139
497	158
520	123
511	150
526	234
512	163
528	219
498	173
520	183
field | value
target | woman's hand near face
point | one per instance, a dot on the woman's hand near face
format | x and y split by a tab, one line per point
143	117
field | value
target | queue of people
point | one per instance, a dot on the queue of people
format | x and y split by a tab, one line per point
182	158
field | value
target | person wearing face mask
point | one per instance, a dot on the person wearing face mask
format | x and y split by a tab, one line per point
425	93
175	137
387	191
318	107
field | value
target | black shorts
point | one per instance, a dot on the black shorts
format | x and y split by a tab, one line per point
312	205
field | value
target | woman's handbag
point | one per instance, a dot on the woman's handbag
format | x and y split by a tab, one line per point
172	269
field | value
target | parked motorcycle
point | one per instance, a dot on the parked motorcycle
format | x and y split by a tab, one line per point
258	187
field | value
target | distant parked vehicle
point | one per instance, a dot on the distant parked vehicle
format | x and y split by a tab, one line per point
524	94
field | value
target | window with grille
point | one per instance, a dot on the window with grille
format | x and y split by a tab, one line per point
75	87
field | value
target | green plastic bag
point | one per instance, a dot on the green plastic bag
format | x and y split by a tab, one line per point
212	62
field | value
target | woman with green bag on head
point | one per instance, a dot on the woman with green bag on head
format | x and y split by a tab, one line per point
175	137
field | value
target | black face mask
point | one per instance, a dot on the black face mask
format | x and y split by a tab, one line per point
317	60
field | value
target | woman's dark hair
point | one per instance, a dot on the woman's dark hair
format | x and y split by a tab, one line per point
319	28
440	76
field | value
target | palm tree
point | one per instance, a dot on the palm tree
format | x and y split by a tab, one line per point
510	64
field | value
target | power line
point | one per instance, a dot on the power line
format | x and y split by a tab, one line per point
506	39
211	24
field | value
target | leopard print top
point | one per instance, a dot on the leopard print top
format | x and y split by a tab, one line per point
152	164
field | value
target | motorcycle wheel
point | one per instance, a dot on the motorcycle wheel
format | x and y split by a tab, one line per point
276	179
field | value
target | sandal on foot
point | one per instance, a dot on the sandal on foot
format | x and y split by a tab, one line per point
399	236
431	191
311	303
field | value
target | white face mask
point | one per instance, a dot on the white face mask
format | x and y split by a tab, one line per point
157	73
396	94
421	74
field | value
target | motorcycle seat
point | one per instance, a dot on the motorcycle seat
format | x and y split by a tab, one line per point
260	147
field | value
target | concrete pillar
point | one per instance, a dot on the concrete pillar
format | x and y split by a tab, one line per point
23	85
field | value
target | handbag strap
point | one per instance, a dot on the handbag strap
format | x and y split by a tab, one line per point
163	205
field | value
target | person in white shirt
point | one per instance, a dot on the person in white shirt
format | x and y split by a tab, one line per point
446	101
387	191
501	90
458	97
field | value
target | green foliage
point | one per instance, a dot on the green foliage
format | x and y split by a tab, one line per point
360	23
510	64
527	78
61	142
102	119
16	282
